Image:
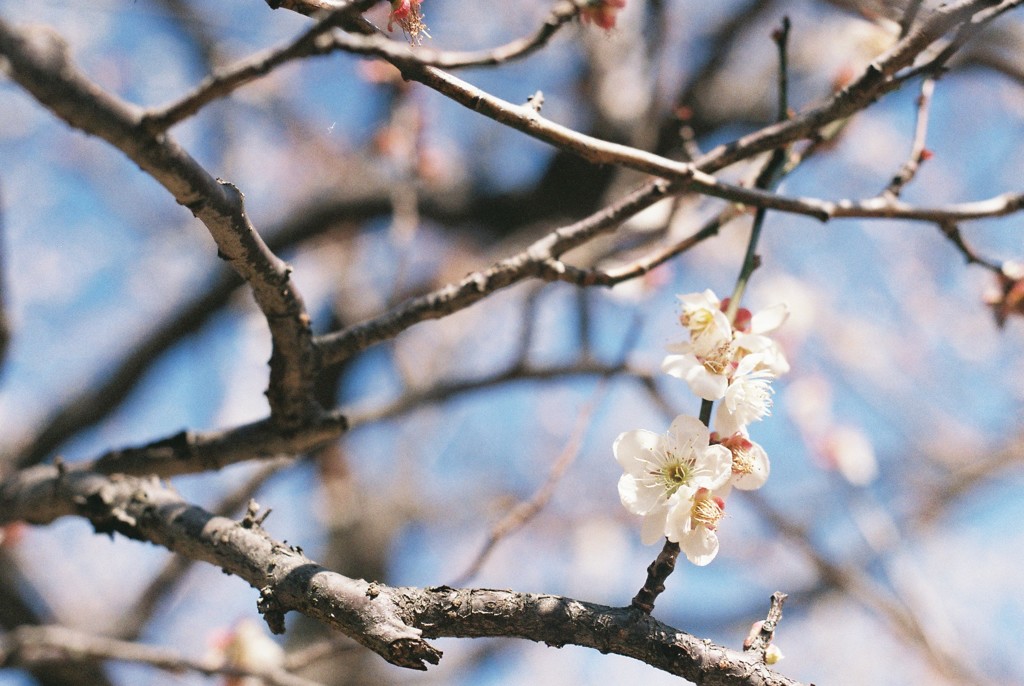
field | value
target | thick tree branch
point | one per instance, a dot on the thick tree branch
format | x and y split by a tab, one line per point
392	622
37	60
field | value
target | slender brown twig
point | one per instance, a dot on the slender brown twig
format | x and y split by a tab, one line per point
918	149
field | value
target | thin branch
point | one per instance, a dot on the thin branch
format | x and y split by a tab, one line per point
524	512
190	452
951	231
516	373
320	40
539	259
393	622
918	151
37	60
770	174
759	643
656	258
30	645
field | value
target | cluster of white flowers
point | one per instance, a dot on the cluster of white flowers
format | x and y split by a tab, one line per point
678	481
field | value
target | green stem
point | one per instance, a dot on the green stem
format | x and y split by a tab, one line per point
705	411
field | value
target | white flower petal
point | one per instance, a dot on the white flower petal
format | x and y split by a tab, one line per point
707	300
634	449
700	545
686	429
703	383
759	470
726	423
717	463
653	528
769	319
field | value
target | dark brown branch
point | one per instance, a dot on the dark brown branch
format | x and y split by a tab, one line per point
191	452
951	231
143	509
393	622
166	581
38	62
657	572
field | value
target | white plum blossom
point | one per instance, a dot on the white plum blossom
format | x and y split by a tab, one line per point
692	524
750	466
714	357
707	375
748	397
664	471
756	339
678	481
703	317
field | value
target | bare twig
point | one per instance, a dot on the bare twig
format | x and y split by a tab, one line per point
32	645
657	572
524	512
918	151
517	372
759	643
540	259
951	231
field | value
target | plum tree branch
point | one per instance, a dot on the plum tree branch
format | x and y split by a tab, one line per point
37	60
391	621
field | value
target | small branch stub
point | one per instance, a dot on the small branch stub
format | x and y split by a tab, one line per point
657	573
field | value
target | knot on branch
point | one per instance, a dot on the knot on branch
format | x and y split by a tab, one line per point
271	609
413	653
